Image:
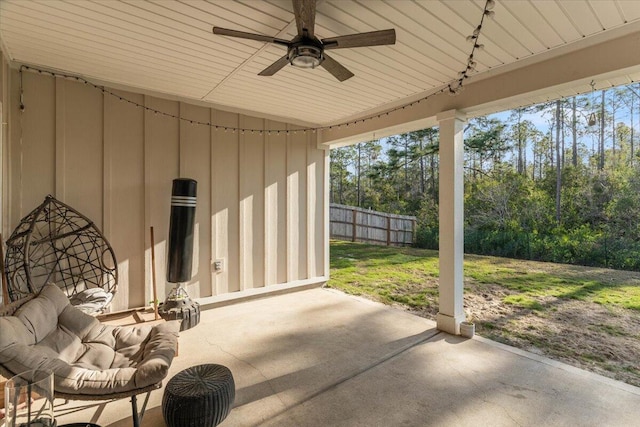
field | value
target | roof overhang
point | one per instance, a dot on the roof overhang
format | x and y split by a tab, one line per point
608	61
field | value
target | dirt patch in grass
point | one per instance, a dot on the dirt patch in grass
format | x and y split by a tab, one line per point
605	340
586	317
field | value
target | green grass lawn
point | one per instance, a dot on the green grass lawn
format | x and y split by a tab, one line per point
410	276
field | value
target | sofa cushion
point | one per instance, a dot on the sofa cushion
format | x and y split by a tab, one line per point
86	356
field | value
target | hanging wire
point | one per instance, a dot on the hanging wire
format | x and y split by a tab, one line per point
453	88
592	117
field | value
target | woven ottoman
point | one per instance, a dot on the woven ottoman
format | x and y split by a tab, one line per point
200	396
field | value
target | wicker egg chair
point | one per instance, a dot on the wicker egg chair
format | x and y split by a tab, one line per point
55	243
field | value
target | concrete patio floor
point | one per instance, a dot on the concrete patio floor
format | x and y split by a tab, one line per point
322	358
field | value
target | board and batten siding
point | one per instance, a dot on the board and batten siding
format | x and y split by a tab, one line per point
261	198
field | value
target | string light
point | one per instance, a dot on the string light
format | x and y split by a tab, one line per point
453	88
457	86
22	107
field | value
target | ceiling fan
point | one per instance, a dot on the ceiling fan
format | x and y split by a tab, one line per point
306	50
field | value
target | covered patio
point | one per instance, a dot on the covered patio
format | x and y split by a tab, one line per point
321	358
109	101
104	103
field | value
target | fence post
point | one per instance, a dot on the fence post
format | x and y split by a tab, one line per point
353	217
388	230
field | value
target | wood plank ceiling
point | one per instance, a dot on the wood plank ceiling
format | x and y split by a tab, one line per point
168	46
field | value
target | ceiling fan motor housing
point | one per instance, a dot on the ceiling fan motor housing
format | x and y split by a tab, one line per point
305	52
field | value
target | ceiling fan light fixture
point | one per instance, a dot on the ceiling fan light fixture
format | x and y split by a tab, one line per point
305	56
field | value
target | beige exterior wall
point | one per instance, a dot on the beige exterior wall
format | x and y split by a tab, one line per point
261	198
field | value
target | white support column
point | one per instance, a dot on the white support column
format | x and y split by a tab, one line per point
451	311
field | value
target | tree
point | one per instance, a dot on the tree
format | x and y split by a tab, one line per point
522	132
485	142
558	163
574	133
424	148
340	158
601	140
522	198
494	204
366	153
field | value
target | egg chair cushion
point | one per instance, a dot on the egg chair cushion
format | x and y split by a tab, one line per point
86	356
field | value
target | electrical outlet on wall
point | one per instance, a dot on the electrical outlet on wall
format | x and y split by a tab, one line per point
218	265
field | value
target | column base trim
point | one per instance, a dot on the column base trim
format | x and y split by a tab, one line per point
449	324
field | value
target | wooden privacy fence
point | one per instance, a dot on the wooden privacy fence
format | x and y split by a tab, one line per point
362	225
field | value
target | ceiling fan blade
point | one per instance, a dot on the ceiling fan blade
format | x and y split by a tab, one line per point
305	13
336	69
275	67
241	34
373	38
